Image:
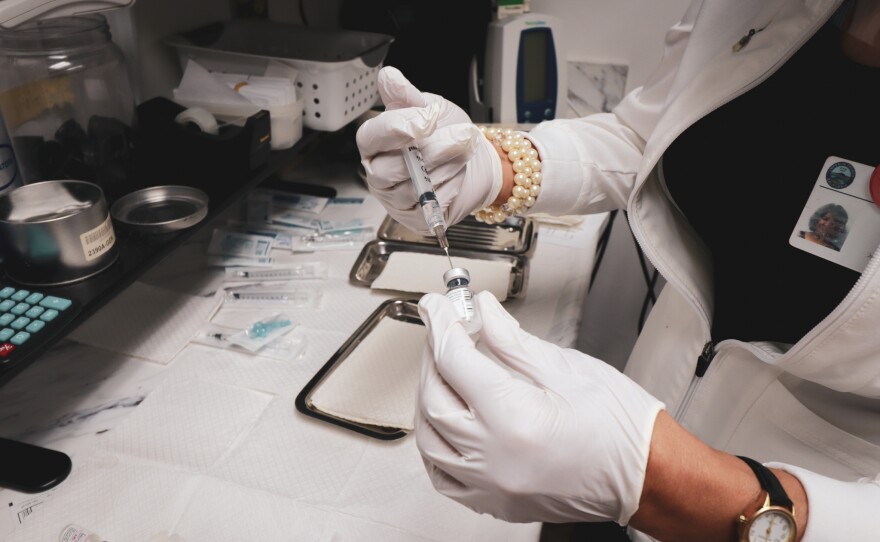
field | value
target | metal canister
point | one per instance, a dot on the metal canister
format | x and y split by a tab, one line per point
56	232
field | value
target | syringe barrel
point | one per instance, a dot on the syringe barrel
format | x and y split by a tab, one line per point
417	171
433	213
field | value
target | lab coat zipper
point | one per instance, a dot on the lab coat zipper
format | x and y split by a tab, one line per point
703	361
770	13
711	350
634	217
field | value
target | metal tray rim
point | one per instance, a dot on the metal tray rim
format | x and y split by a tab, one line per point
303	399
519	270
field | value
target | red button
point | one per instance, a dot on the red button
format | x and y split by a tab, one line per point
875	186
6	349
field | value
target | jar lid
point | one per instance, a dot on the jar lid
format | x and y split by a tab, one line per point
56	35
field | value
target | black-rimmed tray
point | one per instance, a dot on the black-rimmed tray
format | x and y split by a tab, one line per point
399	309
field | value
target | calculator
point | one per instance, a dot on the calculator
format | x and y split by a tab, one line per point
28	318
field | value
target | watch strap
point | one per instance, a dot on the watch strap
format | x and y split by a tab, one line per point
769	483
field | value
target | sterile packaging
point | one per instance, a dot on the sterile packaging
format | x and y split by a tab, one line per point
289	346
345	240
262	332
302	271
296	202
233	261
297	219
280	239
243	245
293	298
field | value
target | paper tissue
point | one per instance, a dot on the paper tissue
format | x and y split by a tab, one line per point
232	98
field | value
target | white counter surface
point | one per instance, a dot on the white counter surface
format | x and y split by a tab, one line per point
210	446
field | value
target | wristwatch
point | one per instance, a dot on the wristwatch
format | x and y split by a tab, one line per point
774	521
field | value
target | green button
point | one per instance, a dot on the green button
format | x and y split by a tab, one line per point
6	305
20	338
6	333
6	292
34	312
20	295
34	298
57	303
20	322
6	318
35	326
19	309
49	315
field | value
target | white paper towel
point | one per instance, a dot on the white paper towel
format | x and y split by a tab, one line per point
392	487
189	424
423	273
116	497
147	322
224	512
376	384
293	455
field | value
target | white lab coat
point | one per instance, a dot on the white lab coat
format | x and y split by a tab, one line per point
815	404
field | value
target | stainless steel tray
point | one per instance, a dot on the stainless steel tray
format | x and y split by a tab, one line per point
399	309
373	257
517	235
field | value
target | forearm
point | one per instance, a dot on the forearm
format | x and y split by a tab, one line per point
694	492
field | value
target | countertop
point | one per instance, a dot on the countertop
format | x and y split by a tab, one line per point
210	446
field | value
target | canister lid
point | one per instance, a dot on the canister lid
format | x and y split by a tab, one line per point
161	209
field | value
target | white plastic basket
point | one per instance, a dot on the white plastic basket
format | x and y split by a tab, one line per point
335	95
337	69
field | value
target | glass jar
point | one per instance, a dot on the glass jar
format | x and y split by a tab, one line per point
67	103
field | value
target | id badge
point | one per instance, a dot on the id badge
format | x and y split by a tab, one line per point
840	222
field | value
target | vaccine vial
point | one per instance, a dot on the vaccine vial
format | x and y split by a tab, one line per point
458	291
75	533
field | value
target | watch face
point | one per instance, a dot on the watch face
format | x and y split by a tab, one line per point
772	526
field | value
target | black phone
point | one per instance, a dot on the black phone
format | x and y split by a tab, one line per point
321	191
31	469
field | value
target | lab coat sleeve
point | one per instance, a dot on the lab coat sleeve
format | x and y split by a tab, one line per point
838	510
590	164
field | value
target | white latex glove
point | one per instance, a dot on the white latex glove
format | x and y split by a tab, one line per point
463	165
548	434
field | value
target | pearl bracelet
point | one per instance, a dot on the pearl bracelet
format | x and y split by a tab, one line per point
527	174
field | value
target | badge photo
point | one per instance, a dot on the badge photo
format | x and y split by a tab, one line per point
840	221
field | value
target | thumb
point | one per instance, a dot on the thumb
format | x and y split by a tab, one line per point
396	91
519	350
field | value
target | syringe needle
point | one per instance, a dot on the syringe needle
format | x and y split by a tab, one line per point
451	266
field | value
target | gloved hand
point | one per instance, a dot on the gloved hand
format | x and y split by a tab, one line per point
548	434
463	165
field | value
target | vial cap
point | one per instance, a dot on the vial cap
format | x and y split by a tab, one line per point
456	273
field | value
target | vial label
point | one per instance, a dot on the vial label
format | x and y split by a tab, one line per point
463	300
75	533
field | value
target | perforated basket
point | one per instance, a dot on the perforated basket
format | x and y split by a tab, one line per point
335	94
337	68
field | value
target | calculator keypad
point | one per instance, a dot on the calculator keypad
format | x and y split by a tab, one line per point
24	314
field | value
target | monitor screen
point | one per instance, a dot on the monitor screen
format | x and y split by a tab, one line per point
534	63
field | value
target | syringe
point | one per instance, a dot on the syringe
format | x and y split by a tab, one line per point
427	199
